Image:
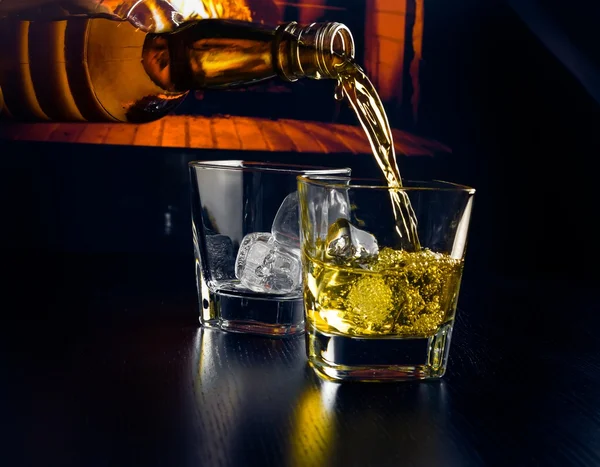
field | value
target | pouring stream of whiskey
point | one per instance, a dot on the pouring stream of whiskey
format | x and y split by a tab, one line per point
364	100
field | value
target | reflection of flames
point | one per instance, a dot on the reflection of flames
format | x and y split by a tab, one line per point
164	15
192	9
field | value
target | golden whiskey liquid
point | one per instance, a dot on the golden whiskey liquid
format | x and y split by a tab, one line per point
385	315
362	96
401	294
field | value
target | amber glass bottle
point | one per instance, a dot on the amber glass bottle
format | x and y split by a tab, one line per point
97	69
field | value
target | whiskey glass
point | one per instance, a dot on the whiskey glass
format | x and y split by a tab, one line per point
379	307
246	244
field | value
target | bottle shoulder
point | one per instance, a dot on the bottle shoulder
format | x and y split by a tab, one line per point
220	28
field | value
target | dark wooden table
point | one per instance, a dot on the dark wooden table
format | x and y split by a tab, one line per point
103	364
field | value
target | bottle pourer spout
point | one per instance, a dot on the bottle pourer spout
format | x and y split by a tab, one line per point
312	51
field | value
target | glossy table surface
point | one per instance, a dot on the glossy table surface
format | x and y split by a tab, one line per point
104	364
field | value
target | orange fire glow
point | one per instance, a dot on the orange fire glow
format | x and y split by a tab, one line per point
165	15
194	9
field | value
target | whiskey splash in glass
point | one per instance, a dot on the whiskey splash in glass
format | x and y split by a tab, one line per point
381	285
375	311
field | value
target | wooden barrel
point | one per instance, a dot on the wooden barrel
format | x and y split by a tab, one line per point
78	69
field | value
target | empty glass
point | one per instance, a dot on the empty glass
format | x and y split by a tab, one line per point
247	247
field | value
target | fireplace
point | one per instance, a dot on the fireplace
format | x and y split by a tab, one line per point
121	186
388	35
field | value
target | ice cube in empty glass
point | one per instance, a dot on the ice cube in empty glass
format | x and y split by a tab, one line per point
245	225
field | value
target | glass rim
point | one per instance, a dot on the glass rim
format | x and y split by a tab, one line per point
375	184
239	165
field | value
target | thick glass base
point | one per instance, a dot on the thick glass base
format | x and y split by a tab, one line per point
253	314
378	359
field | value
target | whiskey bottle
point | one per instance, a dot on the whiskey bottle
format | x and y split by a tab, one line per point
100	70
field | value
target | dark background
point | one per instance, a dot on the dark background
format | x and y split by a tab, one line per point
523	128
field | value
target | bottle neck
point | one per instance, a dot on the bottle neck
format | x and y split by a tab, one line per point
217	53
315	51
